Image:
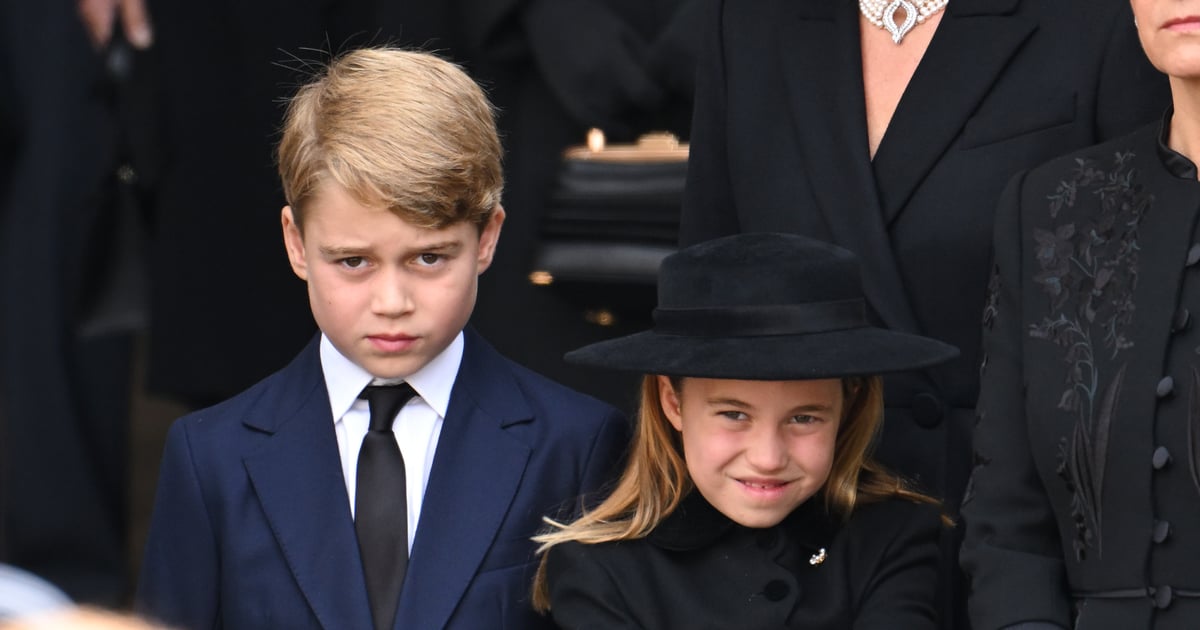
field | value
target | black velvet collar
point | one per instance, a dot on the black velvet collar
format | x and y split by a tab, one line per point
696	524
1176	163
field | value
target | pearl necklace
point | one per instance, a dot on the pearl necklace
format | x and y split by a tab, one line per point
882	13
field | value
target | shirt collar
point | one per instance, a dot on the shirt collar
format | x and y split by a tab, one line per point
1176	163
345	380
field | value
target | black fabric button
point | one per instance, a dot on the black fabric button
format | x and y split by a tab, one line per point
1193	255
1182	320
1166	387
1161	458
1162	530
1163	596
927	410
776	590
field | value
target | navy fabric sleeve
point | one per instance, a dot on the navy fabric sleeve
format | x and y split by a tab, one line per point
179	579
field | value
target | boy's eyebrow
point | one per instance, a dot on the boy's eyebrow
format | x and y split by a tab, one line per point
341	251
451	245
345	252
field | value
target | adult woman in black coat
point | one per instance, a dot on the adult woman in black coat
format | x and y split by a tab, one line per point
809	119
1083	506
750	499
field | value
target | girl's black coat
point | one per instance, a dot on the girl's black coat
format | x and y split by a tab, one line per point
698	570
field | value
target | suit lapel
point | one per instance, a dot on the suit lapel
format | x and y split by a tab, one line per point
476	471
824	84
297	477
972	46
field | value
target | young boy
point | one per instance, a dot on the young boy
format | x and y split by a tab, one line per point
290	505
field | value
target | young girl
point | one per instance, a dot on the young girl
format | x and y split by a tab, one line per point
749	499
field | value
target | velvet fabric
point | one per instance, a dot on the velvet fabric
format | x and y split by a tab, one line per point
766	307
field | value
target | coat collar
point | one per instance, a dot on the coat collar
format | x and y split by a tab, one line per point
825	9
696	524
964	8
860	198
971	48
1176	163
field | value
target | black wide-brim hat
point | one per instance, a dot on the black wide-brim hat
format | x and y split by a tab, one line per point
763	307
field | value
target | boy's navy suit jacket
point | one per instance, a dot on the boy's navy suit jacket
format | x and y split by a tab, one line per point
252	524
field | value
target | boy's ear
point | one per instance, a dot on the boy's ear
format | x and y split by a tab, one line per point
668	398
293	241
489	237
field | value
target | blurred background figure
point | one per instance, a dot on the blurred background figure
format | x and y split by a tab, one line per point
558	68
223	304
64	357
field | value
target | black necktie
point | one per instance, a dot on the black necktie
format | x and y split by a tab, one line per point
381	503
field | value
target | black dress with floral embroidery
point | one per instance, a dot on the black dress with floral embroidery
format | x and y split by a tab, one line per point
1084	506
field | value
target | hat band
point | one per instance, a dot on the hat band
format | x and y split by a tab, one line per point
756	321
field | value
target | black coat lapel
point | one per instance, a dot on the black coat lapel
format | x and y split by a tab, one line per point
972	46
822	65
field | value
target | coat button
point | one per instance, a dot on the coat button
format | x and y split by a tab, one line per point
1182	320
1163	596
1193	255
1161	458
927	410
1162	530
1166	387
775	590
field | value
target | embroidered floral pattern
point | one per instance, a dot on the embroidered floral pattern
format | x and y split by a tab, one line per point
992	302
1088	270
979	462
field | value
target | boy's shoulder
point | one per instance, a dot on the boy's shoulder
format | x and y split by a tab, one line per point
264	404
481	361
496	383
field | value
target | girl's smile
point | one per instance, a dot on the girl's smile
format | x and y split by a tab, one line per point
756	450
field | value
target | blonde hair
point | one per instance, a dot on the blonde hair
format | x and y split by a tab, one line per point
655	478
401	129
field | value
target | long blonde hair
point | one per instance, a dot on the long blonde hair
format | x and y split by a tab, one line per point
656	479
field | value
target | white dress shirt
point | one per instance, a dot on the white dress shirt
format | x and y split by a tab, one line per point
417	427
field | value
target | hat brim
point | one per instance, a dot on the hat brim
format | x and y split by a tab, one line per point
835	354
